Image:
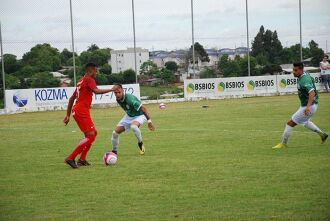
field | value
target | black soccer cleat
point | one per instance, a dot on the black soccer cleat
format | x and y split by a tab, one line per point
141	147
71	163
83	163
114	151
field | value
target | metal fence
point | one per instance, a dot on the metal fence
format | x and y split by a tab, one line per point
152	24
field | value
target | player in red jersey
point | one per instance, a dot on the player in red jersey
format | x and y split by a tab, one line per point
81	113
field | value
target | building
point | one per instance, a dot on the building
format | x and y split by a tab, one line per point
122	60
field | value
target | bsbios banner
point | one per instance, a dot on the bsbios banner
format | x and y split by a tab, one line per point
56	98
243	86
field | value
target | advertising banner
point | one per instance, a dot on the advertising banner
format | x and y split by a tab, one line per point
244	86
56	98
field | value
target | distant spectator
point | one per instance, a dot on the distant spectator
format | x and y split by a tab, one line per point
325	72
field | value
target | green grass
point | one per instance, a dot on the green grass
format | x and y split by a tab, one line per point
154	92
200	164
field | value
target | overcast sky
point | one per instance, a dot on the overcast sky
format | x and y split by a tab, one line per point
160	24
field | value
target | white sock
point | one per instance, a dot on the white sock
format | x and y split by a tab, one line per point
286	134
115	141
137	132
310	125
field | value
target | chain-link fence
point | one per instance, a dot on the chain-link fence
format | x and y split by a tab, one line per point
163	29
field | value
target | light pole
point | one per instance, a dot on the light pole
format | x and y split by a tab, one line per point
247	37
193	36
301	53
135	65
3	70
73	53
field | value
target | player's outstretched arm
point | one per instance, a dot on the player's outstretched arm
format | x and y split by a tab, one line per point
102	91
68	111
146	113
309	103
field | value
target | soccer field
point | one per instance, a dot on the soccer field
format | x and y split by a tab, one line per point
200	164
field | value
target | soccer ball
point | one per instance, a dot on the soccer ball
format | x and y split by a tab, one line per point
162	106
110	158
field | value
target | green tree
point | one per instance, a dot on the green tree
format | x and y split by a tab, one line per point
44	80
42	57
243	63
11	63
93	47
267	45
116	78
199	53
167	75
208	73
106	69
316	53
172	66
12	82
101	79
148	68
98	56
271	69
129	76
228	67
66	57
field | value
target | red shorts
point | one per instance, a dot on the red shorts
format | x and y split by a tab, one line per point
85	122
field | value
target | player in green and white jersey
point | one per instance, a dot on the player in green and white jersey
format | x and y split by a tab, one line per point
309	98
136	116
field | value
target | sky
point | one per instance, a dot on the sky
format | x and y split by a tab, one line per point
160	24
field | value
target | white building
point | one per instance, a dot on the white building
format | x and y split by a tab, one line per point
122	60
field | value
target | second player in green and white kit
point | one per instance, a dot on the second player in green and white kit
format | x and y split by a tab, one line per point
309	99
136	116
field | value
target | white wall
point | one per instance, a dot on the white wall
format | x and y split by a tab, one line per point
123	60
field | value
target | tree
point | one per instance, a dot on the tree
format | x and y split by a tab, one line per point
44	80
167	75
43	57
271	69
12	82
11	63
208	73
129	76
92	48
101	79
66	57
267	45
172	66
243	63
106	69
148	68
316	53
116	78
200	53
228	67
97	56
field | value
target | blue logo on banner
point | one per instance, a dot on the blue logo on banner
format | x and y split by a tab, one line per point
19	99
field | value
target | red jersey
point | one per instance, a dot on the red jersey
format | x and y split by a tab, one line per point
84	95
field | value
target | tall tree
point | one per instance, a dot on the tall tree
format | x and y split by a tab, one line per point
43	57
171	65
267	45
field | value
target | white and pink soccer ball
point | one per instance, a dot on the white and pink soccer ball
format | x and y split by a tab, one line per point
162	106
110	158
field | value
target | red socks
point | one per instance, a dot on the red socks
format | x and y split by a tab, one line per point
83	148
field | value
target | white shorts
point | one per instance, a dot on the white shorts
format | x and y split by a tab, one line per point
127	121
300	118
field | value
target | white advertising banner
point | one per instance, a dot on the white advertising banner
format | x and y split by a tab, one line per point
288	83
56	98
244	86
222	87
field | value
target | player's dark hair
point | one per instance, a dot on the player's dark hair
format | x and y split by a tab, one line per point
90	65
326	56
298	65
119	85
